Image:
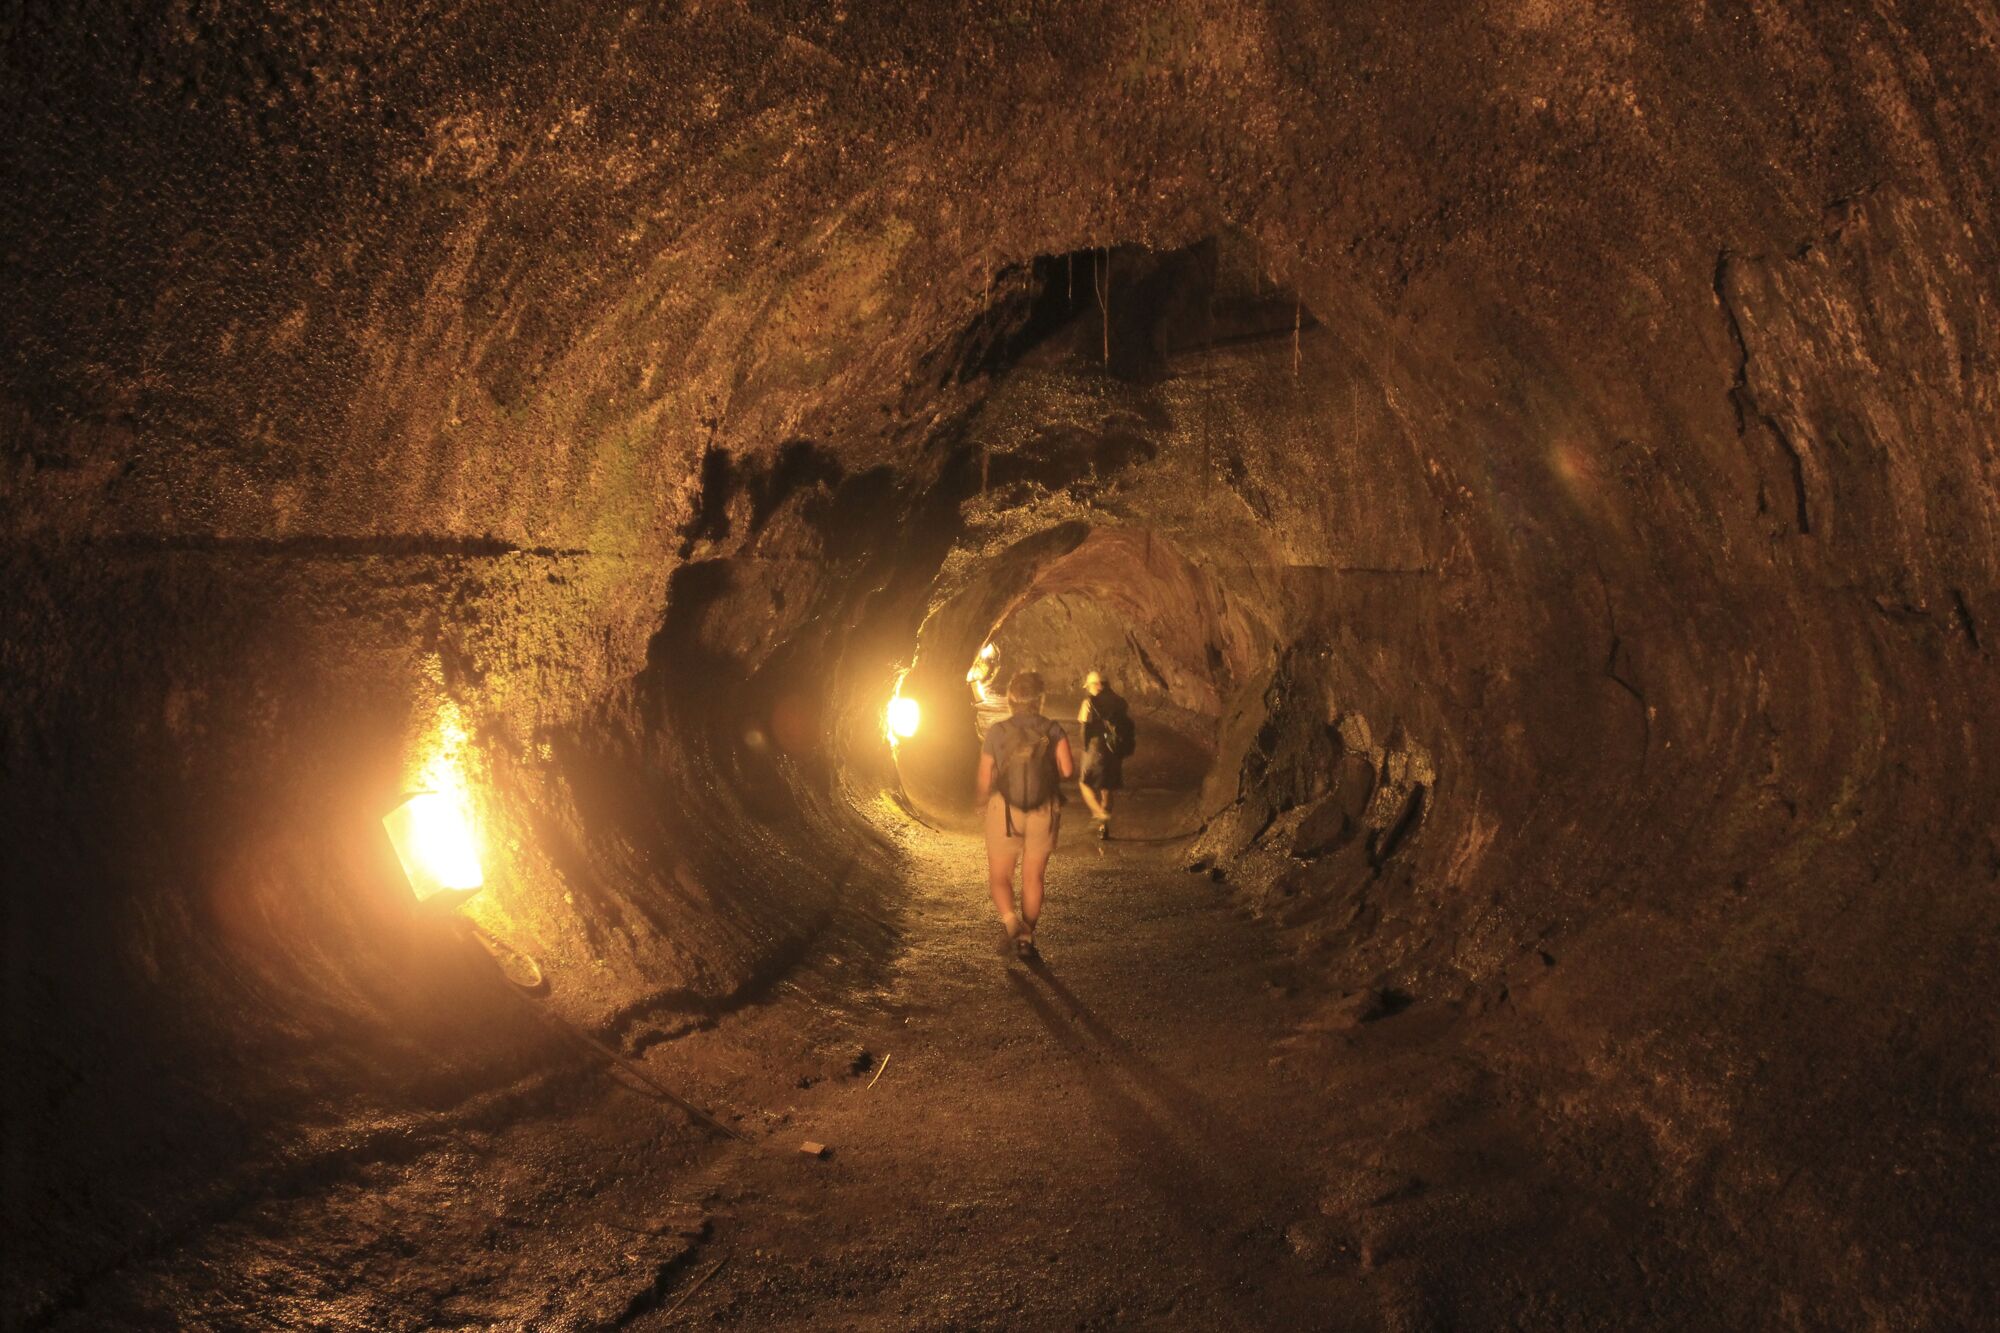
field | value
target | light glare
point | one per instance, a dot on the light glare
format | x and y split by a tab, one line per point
904	717
433	839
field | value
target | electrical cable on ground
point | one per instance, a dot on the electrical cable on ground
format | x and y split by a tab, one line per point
625	1062
699	1283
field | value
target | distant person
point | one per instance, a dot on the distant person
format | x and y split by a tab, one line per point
1108	738
1021	767
989	700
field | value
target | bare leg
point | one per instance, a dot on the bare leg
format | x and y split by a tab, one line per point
1034	871
1000	879
1100	806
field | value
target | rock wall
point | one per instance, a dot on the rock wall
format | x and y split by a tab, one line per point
639	382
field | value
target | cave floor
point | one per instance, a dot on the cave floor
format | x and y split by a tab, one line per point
1096	1138
1157	1125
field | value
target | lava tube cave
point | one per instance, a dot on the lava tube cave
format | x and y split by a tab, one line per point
518	522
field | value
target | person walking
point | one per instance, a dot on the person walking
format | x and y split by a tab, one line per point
1107	739
1021	765
989	699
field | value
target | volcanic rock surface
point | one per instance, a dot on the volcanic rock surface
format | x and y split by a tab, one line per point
1536	464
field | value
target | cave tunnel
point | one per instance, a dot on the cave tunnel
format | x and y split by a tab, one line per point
499	505
1075	599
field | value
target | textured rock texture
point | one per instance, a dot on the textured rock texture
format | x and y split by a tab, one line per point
1558	446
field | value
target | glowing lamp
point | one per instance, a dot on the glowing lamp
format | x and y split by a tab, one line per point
433	839
904	717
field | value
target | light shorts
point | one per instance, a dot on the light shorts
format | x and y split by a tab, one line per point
1034	830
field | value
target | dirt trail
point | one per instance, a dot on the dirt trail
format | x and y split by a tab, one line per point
1100	1138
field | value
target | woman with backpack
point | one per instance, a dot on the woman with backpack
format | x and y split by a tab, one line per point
1021	766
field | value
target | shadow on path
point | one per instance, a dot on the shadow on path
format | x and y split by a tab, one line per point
1185	1104
1207	1173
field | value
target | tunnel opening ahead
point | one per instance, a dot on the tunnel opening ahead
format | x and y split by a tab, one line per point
1123	602
1068	637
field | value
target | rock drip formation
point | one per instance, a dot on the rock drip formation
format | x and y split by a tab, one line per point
1549	455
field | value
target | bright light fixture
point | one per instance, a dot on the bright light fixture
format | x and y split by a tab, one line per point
904	717
433	839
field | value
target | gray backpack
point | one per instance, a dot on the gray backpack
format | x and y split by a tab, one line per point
1024	764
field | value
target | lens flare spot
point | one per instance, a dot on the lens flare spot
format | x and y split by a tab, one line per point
1575	469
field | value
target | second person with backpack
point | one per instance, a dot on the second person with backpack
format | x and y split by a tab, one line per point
1108	739
1021	766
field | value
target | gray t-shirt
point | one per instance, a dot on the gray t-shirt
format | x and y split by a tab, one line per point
1030	725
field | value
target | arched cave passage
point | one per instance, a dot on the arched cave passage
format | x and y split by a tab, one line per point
1073	599
1550	495
1069	635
